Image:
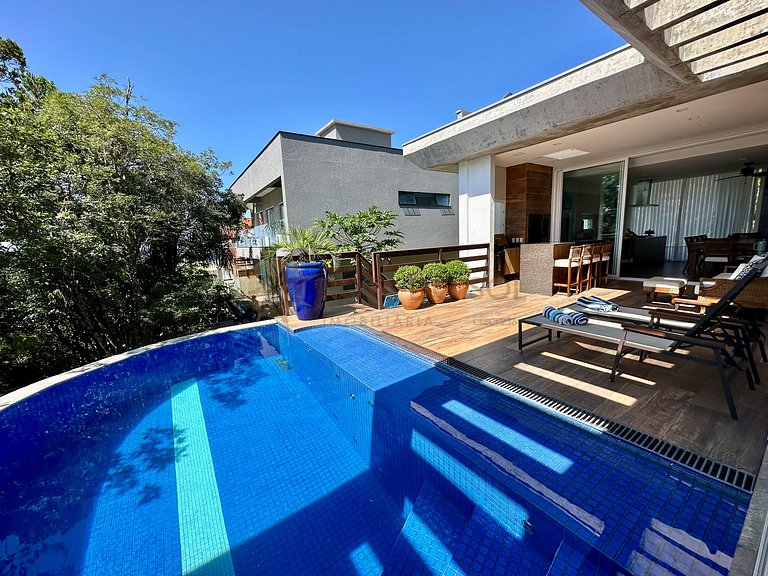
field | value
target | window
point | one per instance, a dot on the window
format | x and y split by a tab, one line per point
424	200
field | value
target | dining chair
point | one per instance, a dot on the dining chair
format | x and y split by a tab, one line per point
717	252
695	246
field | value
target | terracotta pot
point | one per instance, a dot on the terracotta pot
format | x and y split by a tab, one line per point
436	293
410	299
458	290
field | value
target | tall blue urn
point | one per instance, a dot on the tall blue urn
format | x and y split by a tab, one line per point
306	286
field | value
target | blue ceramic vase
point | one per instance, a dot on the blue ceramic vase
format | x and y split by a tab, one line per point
307	287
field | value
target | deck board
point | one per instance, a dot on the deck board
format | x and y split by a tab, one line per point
677	400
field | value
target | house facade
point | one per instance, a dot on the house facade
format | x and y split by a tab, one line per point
344	168
666	136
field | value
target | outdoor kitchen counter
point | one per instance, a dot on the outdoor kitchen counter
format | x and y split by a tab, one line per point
536	263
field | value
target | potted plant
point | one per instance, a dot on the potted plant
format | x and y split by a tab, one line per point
409	281
437	277
458	273
305	271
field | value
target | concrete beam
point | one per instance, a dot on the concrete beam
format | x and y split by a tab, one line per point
753	28
631	92
718	18
665	13
731	56
758	65
629	25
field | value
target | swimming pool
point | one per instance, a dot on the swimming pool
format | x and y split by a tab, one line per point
331	451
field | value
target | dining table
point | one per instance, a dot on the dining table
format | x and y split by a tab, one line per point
742	251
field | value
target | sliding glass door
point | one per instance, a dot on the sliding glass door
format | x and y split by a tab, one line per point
591	203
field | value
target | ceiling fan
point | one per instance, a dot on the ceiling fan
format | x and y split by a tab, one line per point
748	171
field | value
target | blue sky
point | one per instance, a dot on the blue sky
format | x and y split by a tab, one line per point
233	73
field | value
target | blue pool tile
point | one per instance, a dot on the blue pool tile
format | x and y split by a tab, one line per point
322	445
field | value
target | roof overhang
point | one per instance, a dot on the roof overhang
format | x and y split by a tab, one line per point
681	52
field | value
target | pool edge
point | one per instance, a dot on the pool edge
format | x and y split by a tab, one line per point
15	396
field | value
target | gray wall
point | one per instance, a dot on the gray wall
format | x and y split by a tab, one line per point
263	171
322	175
354	134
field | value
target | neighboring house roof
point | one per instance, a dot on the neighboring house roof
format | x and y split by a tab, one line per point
321	140
325	129
681	52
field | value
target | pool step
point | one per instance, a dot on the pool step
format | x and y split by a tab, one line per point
579	560
568	561
488	547
439	538
429	536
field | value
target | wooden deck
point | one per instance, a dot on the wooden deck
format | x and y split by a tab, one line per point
677	400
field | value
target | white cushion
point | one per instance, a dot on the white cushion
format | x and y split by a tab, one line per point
566	262
735	273
664	282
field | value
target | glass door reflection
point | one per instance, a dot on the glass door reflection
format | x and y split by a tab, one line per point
591	203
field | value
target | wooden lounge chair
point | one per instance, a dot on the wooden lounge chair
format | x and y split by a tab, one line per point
712	332
734	331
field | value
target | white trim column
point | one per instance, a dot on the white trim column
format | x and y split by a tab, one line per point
477	183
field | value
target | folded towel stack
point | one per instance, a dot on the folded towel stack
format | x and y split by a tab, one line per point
566	316
597	303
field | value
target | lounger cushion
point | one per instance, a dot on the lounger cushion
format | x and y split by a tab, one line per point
663	282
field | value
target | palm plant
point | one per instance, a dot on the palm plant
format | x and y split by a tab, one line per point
305	244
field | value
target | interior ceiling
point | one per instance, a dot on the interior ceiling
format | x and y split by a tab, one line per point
712	135
726	162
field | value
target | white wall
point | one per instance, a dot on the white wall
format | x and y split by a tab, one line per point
477	188
500	201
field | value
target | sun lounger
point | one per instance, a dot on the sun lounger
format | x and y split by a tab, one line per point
735	332
712	332
646	340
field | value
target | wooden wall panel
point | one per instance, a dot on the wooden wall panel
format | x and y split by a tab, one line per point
529	191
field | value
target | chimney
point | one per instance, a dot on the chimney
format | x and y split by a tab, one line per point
460	113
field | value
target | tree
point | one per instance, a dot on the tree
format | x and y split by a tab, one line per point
365	231
106	225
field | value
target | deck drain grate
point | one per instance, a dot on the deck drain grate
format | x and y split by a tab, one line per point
701	464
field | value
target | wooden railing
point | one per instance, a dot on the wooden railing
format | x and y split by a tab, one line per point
371	281
386	263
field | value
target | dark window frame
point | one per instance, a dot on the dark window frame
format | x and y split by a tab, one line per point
429	200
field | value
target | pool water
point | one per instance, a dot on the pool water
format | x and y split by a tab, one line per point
330	451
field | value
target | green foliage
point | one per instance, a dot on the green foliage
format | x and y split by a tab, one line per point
305	244
107	227
436	273
409	278
366	231
458	271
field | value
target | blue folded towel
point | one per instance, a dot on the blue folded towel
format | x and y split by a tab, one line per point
597	303
566	316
